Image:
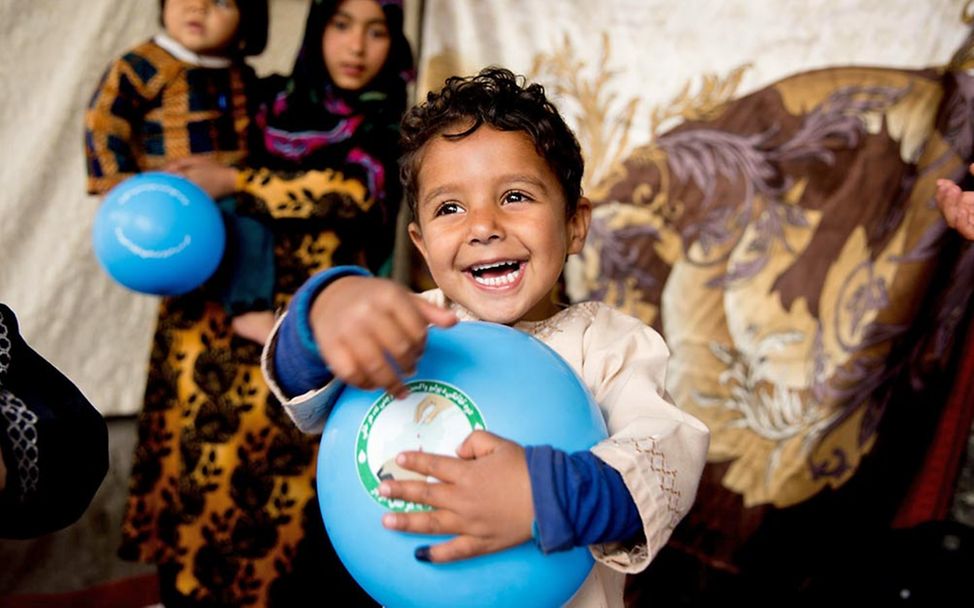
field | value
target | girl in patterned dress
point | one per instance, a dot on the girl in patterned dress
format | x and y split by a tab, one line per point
222	495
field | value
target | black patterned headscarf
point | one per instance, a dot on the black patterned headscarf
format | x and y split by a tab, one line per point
313	124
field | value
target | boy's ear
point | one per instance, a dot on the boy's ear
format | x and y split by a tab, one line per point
416	236
578	225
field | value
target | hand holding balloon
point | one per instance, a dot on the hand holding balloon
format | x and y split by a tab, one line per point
484	497
370	329
377	454
216	179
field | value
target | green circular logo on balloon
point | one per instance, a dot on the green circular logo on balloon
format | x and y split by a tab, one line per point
435	417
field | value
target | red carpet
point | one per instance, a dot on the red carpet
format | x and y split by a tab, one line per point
134	592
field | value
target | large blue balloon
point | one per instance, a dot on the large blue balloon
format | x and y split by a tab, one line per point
473	376
158	233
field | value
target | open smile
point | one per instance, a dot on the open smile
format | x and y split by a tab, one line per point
500	274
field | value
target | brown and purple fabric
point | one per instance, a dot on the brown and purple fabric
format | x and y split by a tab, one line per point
790	251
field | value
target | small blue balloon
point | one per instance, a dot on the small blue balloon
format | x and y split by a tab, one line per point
475	375
159	234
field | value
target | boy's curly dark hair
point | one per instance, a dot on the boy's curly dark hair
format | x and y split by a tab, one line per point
498	98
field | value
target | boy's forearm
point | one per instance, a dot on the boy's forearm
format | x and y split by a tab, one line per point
578	500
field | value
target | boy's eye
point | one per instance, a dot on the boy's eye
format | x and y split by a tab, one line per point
516	196
225	3
447	209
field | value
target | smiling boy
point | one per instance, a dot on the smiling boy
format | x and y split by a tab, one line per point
492	175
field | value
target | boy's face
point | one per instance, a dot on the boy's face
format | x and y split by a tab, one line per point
491	224
202	26
356	43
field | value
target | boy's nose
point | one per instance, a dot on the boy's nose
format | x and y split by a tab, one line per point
485	226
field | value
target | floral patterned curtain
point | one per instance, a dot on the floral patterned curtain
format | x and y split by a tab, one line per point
775	222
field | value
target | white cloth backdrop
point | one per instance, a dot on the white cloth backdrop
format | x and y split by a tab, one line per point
52	53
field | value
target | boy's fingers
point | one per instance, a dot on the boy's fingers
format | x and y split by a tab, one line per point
397	344
413	331
478	444
434	523
345	366
461	547
444	468
370	369
436	315
436	495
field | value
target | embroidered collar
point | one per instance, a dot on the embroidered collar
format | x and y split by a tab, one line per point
184	54
539	329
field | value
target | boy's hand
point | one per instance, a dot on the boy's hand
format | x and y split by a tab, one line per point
372	331
484	497
957	206
218	180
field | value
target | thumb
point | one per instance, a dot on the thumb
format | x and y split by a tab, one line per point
436	315
478	444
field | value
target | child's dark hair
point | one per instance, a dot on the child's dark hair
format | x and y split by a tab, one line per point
498	98
252	31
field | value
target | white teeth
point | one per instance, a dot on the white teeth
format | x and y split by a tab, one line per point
489	266
505	279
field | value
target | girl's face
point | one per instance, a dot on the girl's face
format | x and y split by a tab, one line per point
356	43
491	224
206	27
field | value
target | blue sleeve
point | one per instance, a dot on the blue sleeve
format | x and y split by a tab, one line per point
298	364
578	500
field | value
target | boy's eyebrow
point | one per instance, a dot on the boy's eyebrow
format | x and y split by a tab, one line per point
525	178
438	191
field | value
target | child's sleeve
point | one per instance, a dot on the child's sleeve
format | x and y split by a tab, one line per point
578	500
110	122
659	450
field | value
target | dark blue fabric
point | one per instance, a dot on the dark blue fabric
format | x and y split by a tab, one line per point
69	447
246	273
578	500
298	366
